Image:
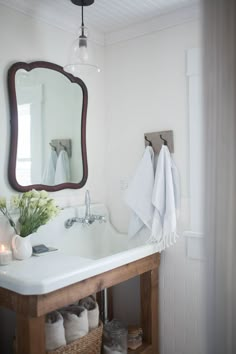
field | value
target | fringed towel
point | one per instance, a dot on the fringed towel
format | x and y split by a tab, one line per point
166	199
139	194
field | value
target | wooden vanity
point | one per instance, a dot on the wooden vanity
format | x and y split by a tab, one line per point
31	309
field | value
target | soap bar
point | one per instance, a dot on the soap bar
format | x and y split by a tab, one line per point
40	249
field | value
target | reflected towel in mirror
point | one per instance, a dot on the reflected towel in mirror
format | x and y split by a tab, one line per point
48	177
62	174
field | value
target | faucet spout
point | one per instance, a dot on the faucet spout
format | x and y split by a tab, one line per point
70	222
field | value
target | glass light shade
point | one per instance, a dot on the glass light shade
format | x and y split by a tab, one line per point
81	56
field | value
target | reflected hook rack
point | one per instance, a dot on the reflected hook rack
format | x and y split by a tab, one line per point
62	144
53	147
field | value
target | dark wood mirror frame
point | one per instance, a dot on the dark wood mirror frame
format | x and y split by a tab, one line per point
14	127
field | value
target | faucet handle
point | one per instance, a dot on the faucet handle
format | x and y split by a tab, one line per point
100	218
103	219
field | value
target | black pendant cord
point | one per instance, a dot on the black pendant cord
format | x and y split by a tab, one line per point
82	17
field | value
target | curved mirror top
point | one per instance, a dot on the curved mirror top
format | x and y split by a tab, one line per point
48	111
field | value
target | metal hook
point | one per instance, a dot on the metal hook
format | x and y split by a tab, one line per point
53	147
165	141
62	145
149	141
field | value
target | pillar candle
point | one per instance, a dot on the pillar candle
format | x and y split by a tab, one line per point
5	255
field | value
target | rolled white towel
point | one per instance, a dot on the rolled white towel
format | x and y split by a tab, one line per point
93	311
112	350
75	322
54	331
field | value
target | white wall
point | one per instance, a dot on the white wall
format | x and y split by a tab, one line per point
23	38
146	92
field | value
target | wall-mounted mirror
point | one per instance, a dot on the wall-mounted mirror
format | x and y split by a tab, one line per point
48	128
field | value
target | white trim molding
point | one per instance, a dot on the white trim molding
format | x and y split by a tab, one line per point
195	237
195	245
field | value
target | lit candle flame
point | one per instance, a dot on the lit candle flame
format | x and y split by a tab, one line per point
3	248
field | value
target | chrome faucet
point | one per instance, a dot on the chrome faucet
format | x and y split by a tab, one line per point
88	218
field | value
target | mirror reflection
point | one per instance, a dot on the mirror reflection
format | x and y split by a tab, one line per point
49	147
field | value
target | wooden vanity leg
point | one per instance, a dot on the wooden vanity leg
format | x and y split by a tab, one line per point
30	335
149	309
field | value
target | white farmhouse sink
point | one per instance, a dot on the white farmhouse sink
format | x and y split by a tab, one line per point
95	241
83	252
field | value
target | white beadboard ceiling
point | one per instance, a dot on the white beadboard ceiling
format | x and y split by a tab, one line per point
104	15
113	15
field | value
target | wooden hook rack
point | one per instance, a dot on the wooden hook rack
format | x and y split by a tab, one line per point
156	139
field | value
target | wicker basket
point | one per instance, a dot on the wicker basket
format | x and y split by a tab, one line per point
89	344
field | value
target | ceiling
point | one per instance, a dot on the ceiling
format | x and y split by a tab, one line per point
104	15
112	15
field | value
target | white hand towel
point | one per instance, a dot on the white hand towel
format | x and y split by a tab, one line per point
49	172
75	322
93	311
166	199
62	174
139	194
54	331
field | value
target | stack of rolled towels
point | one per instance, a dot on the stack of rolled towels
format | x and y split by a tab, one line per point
71	323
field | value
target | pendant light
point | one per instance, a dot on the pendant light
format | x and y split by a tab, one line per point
81	57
